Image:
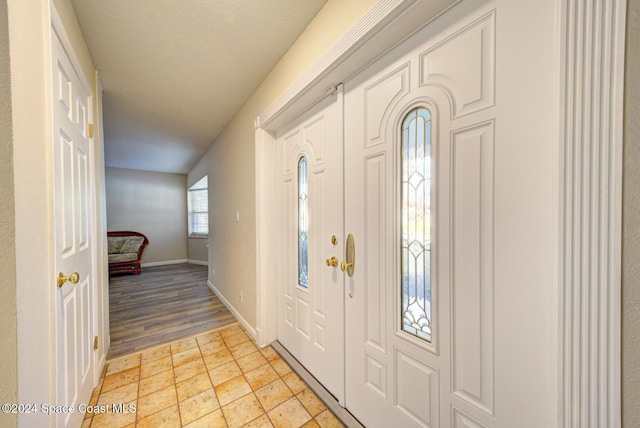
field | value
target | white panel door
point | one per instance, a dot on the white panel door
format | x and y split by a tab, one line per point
71	104
310	204
396	378
421	306
448	310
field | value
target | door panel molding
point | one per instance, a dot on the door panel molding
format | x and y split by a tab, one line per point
471	49
472	281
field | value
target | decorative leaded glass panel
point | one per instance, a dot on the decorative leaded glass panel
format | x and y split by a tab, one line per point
303	223
416	224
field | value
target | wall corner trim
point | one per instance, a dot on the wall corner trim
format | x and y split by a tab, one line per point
592	37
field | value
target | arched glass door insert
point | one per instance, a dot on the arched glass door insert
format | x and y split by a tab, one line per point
416	223
303	223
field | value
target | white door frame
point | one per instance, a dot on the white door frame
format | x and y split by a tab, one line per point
589	193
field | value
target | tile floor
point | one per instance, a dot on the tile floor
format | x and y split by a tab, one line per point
217	379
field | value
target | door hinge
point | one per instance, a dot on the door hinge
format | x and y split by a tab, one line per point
91	130
95	342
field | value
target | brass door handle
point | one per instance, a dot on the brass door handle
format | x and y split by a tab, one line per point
344	266
73	278
349	264
333	261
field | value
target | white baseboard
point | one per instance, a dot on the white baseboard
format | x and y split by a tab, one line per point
166	262
234	311
198	262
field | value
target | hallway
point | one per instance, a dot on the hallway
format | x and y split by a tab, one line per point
161	305
531	214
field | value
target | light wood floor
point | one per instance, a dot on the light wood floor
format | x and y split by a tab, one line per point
161	305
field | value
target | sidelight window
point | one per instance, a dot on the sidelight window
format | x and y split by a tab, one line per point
303	223
416	223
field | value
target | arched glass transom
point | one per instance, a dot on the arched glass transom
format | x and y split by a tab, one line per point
303	223
416	223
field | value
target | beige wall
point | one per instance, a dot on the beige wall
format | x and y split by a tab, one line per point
152	203
631	225
198	250
8	332
230	161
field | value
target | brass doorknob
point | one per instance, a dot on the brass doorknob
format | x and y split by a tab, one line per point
73	278
333	261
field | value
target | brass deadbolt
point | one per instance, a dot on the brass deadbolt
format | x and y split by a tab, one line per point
333	261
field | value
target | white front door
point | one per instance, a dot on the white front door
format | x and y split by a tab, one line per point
397	169
74	297
310	303
424	132
437	332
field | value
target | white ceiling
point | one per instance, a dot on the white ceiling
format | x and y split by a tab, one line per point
175	72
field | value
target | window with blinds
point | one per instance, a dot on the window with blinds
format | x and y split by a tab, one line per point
199	208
